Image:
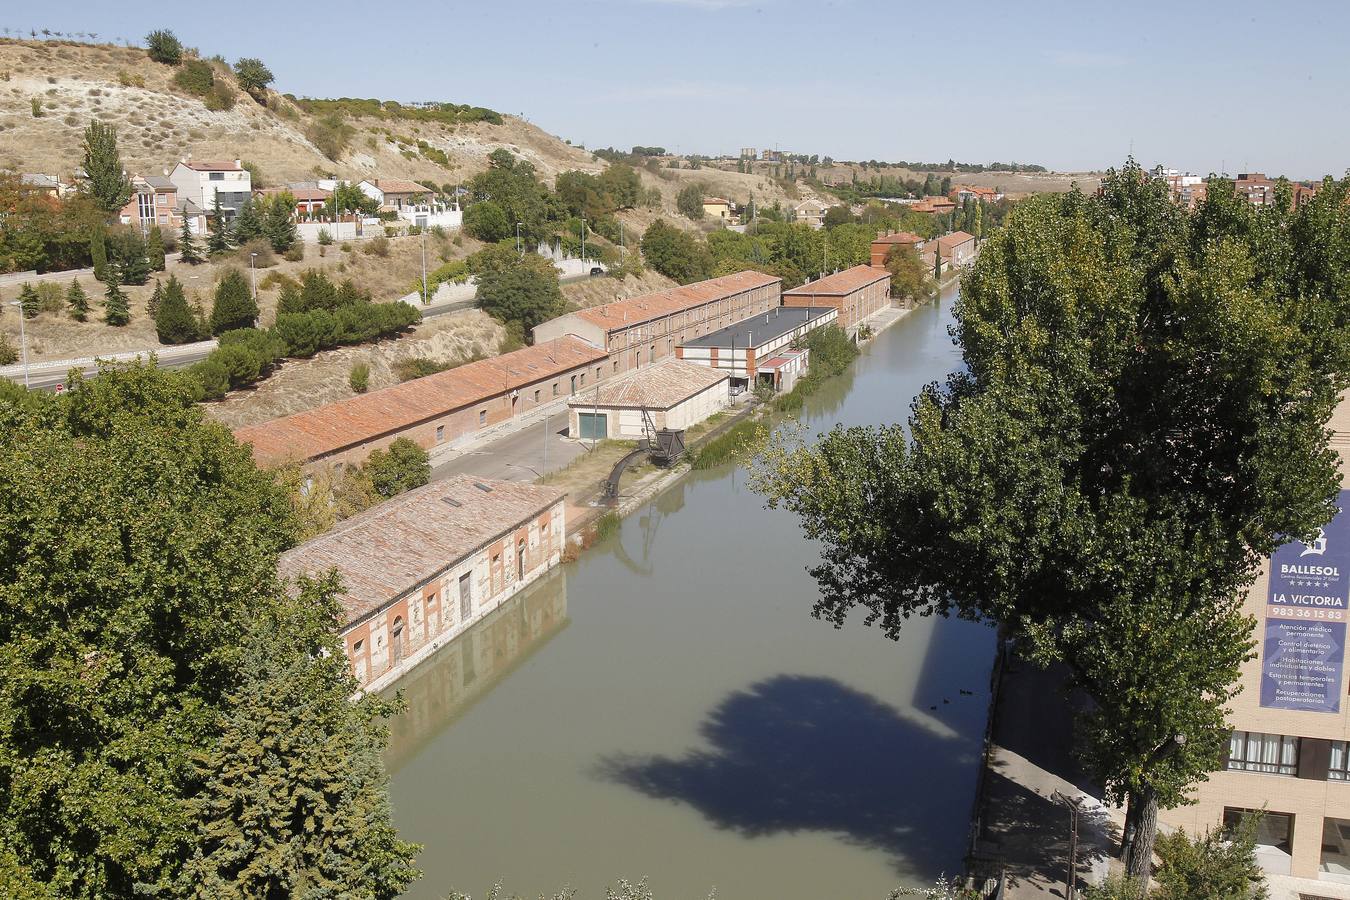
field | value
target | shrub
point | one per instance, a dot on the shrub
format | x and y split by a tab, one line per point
213	377
265	258
296	253
234	306
129	79
220	97
266	346
359	377
330	134
419	367
36	104
242	365
195	77
377	246
174	321
727	445
402	467
8	355
277	280
325	237
50	297
164	47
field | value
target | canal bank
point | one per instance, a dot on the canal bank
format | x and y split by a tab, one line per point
666	706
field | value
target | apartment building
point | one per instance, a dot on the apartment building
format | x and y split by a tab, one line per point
1289	754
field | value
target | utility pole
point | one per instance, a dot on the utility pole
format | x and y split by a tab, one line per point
23	340
424	266
583	239
520	248
253	275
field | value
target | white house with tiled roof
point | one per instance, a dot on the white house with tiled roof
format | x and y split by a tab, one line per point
201	181
393	194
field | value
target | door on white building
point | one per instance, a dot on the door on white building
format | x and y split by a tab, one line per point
396	642
520	561
592	426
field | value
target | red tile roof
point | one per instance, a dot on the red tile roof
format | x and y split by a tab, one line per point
636	310
955	239
300	194
397	186
365	417
388	550
840	283
662	386
899	237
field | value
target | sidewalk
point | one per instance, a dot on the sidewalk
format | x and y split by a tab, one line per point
1019	827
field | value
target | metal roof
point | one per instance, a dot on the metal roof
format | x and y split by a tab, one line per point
763	328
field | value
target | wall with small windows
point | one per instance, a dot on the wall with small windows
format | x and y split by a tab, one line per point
400	634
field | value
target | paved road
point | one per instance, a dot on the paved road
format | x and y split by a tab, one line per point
45	376
518	456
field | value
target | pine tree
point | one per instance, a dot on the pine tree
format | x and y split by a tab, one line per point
247	223
199	319
28	301
219	239
98	254
128	249
278	225
77	301
188	251
154	249
174	321
156	297
234	307
115	309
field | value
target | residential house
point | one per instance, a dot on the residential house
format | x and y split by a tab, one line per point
421	568
811	211
934	205
155	201
202	181
720	210
857	293
640	330
49	185
310	200
959	194
394	194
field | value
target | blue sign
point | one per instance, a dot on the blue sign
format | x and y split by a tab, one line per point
1303	654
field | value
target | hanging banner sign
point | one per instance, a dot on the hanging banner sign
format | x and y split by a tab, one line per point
1303	654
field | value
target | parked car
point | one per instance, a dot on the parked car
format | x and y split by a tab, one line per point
596	270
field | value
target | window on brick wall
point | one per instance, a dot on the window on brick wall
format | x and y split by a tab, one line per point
1339	769
482	417
440	433
1253	751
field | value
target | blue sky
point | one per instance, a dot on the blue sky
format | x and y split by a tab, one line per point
1072	85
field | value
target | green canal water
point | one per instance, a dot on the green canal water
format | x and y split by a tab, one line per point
667	707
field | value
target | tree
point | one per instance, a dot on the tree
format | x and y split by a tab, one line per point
234	306
486	221
188	696
107	183
402	467
164	47
675	254
909	276
1106	473
837	215
174	321
220	238
156	297
28	301
689	201
98	254
77	301
279	221
526	292
187	244
154	249
253	76
247	222
115	309
128	250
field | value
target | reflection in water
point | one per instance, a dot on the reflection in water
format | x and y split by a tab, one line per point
441	689
806	753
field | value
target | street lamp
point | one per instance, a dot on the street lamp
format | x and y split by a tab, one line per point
583	239
23	340
424	265
520	248
253	275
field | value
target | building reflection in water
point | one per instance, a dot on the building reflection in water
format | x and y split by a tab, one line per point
444	687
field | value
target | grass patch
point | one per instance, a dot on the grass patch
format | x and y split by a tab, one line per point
728	445
607	525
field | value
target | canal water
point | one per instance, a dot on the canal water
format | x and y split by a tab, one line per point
668	707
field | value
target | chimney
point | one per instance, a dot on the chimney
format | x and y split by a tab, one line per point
238	163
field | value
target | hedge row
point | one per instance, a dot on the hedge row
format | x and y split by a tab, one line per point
247	355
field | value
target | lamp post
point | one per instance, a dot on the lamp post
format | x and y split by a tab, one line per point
520	248
253	275
23	340
583	239
424	266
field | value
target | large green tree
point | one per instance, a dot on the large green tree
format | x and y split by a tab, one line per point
175	722
174	321
1140	420
525	292
107	182
676	254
